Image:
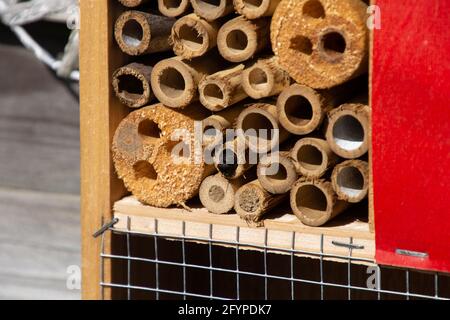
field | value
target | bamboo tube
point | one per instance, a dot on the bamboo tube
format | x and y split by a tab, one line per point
217	194
265	79
139	33
321	43
254	9
214	126
350	180
132	3
233	160
259	127
144	156
313	157
131	84
314	202
173	8
348	130
222	89
193	36
240	39
175	81
212	9
276	173
252	202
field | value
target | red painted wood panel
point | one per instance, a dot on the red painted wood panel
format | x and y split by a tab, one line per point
411	133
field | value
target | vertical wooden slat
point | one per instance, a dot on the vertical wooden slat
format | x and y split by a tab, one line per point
100	113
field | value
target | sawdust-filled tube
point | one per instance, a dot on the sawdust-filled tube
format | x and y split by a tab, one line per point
222	89
350	180
276	173
313	157
252	202
321	43
212	9
314	202
133	3
348	130
265	79
139	33
193	36
217	194
131	84
173	8
259	127
175	80
158	169
254	9
241	39
214	126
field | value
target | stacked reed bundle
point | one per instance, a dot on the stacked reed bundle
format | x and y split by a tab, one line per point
286	66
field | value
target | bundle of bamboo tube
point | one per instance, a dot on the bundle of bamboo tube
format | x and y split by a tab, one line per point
284	75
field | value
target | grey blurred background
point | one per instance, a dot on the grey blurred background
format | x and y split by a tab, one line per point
39	169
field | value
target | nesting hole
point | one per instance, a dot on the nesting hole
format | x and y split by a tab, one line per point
216	193
206	5
257	126
144	170
350	181
314	9
130	86
258	79
191	38
149	129
132	33
228	163
302	44
172	4
348	133
280	175
237	40
333	45
311	201
253	4
213	94
298	110
172	83
309	157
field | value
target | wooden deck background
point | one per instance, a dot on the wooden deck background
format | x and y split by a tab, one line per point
39	177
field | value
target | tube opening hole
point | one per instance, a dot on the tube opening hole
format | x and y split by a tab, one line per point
130	86
213	93
310	157
253	4
149	129
144	170
350	181
132	33
258	79
237	40
172	4
190	37
302	44
298	110
206	5
333	45
280	175
228	163
311	201
314	9
258	129
172	83
216	193
348	133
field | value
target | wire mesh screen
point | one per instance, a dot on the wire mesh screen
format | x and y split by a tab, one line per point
158	266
